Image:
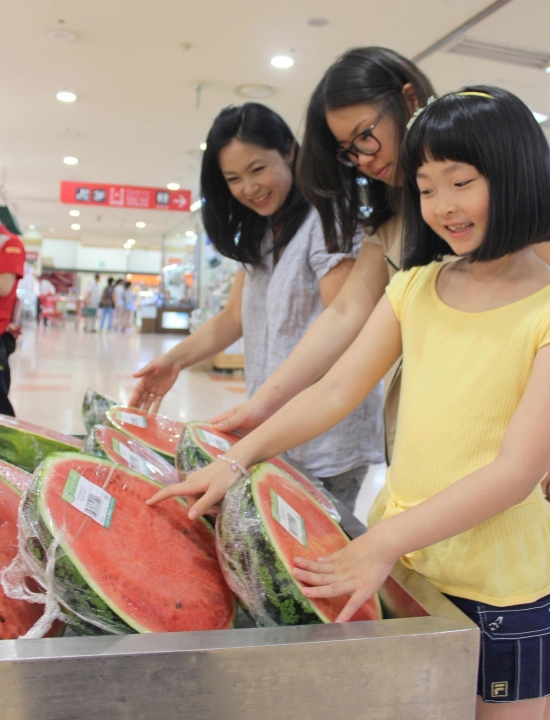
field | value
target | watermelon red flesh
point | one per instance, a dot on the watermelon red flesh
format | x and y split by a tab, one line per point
161	434
153	567
152	465
15	476
323	536
213	452
16	616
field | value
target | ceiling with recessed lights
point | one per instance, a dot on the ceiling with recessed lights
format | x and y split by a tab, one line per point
150	77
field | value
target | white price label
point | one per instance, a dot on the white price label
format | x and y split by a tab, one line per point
89	498
213	440
134	461
132	419
288	518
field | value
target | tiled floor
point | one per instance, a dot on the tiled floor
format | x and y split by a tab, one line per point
53	366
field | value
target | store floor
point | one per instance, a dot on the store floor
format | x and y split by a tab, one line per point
53	366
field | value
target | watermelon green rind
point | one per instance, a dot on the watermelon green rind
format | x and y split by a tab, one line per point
112	421
91	446
189	455
94	408
25	449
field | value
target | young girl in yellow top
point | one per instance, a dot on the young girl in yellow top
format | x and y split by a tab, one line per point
463	503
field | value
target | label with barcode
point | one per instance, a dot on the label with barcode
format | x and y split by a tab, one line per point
213	440
134	461
132	419
89	498
288	518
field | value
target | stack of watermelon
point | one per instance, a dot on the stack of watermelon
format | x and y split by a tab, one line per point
94	408
158	432
26	445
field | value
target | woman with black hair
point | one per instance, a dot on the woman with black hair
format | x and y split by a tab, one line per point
254	212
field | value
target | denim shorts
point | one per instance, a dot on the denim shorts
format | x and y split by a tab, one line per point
514	663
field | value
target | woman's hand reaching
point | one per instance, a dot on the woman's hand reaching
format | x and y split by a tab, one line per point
242	418
155	380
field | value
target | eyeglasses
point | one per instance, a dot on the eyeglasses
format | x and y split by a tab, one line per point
365	143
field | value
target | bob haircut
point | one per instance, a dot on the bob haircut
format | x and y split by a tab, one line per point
235	230
499	136
370	75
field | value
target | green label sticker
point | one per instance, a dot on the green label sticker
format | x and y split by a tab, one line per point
134	461
213	440
288	518
90	499
132	419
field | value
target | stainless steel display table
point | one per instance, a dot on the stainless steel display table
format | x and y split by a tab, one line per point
419	665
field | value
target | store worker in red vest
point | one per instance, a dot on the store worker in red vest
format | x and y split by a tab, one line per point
12	260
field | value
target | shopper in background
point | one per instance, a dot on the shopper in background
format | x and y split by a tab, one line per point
12	262
107	305
129	306
254	212
462	504
91	303
349	170
118	301
42	288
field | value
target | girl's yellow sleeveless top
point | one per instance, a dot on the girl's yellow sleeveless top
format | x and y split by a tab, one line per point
463	377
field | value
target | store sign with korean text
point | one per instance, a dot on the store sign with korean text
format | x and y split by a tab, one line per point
124	196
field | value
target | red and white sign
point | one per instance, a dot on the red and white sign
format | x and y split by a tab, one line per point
126	196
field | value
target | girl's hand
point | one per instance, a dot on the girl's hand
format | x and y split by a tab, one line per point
358	570
202	489
242	418
156	379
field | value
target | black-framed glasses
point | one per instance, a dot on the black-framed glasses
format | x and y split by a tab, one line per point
364	143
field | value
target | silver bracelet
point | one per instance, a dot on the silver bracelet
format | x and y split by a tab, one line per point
234	464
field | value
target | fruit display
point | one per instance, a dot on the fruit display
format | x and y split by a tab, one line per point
158	432
94	408
26	445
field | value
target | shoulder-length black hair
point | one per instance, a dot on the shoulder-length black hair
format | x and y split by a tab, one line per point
372	75
500	137
235	230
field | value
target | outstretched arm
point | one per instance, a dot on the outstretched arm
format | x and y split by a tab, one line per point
325	341
221	331
308	415
522	460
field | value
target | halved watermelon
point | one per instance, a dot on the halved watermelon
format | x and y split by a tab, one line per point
158	432
110	444
265	521
15	476
94	408
26	445
16	616
201	443
151	570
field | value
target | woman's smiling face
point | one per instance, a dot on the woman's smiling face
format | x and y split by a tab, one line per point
258	178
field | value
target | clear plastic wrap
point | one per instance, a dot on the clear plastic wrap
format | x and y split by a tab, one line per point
94	408
25	445
267	519
158	432
201	443
14	475
111	564
110	444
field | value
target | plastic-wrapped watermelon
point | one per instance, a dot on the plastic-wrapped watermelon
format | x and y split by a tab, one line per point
158	432
94	408
17	617
26	445
120	565
265	521
110	444
201	443
15	476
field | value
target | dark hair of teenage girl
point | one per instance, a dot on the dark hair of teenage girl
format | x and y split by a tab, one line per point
373	76
235	230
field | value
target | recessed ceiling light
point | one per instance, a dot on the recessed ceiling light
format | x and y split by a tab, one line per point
547	69
282	61
173	186
189	233
202	146
252	90
74	213
196	205
131	241
540	117
75	226
66	96
70	161
140	224
317	21
32	227
60	34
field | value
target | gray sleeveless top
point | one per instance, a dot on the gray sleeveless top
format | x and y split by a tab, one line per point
279	304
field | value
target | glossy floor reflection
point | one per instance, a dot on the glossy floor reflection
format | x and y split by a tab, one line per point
53	366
